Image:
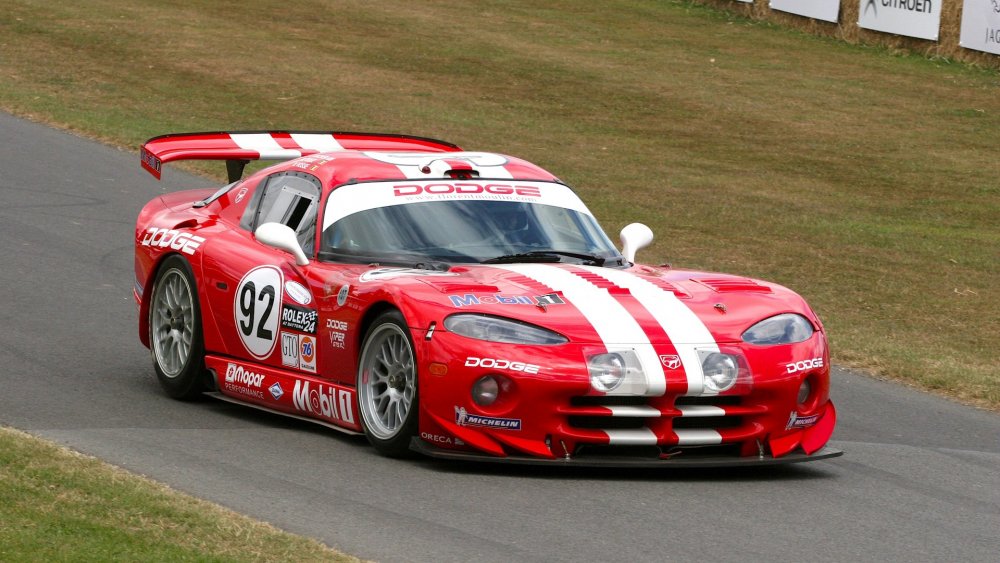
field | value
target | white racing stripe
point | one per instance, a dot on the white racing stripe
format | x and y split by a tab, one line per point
700	411
632	437
322	142
265	144
697	437
638	411
614	324
685	330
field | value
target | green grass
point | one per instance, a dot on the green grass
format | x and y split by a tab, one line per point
57	505
866	181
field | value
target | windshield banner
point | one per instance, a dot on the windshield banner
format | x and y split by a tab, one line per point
350	199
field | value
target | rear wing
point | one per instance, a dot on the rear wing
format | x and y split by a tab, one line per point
239	148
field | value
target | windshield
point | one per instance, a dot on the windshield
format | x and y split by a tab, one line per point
471	223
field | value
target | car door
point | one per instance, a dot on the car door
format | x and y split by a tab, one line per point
261	306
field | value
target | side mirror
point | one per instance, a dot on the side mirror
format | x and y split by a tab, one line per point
634	237
281	237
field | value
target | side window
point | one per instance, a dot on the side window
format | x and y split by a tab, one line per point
290	198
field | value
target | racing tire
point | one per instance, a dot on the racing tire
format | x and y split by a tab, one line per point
387	386
175	337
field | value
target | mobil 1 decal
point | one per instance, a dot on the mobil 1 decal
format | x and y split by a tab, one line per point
258	308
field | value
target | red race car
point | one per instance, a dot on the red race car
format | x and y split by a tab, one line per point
463	305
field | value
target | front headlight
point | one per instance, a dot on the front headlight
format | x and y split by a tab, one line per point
501	329
788	328
720	370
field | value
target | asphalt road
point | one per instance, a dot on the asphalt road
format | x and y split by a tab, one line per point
920	479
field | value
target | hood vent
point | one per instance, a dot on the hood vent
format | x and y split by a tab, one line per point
729	285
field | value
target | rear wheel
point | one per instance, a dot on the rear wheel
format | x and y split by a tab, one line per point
387	385
175	331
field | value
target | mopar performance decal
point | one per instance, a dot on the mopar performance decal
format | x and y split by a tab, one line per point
242	381
463	418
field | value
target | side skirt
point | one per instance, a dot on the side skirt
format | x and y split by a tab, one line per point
221	397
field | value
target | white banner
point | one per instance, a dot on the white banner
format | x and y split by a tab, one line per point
916	18
981	25
826	10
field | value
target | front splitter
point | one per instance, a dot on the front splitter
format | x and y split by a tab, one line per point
677	460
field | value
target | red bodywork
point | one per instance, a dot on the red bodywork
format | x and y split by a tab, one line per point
548	409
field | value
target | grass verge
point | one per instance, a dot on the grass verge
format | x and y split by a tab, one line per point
58	505
867	182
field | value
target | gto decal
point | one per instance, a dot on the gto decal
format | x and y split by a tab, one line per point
334	404
804	365
473	362
463	418
169	238
256	310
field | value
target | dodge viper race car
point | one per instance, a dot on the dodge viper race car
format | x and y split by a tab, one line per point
462	305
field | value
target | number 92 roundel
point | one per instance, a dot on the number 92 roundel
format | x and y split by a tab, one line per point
257	310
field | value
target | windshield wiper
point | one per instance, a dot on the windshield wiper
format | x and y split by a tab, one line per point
545	256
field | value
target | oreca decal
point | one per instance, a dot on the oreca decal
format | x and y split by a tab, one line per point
257	310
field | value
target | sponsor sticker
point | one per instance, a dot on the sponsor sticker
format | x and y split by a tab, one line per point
307	353
439	439
464	418
257	309
298	318
505	299
240	195
491	363
169	238
338	333
342	295
242	381
276	391
804	365
290	349
328	402
670	361
298	293
796	421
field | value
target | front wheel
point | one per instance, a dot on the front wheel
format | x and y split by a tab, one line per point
175	331
387	385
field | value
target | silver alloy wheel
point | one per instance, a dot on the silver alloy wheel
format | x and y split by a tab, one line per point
171	324
388	381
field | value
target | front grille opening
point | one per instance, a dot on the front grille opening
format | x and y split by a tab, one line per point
606	422
707	422
687	452
608	401
598	450
711	400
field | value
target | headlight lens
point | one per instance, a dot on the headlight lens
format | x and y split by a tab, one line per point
607	371
787	328
501	329
720	371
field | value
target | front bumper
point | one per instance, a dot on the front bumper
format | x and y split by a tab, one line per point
422	447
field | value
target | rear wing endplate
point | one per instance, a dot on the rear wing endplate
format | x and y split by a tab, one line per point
239	148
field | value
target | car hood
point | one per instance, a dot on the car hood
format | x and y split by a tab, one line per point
592	304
